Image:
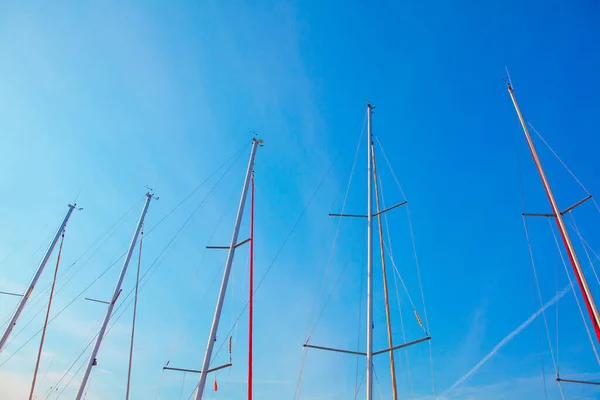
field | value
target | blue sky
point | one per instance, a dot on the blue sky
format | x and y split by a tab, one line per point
100	99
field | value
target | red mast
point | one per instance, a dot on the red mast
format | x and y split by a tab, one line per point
583	285
251	290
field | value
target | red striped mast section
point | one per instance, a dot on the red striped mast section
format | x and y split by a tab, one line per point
557	214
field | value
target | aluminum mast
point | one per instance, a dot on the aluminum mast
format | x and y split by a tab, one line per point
39	271
231	252
113	301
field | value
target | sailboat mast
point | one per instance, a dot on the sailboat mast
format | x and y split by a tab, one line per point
113	301
39	271
583	285
251	285
219	307
369	395
385	285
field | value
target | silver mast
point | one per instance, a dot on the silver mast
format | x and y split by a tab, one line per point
39	271
369	385
113	301
215	325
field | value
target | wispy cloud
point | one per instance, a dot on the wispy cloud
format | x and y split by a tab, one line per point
507	339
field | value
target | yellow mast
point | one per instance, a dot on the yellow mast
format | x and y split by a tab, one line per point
385	287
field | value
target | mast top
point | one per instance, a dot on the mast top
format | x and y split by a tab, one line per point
74	207
508	81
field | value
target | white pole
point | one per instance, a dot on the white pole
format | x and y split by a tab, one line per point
215	324
27	294
369	385
115	295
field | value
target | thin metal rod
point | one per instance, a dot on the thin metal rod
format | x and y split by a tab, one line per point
348	215
197	371
576	381
369	372
401	346
39	355
212	337
135	301
537	215
585	290
357	353
251	290
23	302
116	293
12	294
580	202
98	301
389	208
384	273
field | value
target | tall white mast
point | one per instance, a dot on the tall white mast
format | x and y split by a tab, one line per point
215	325
369	385
111	305
39	271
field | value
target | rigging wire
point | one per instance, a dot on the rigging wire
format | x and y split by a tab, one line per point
539	337
335	236
586	246
536	284
232	159
402	282
359	323
535	281
176	340
23	244
377	381
360	383
182	385
337	230
566	167
46	371
45	243
337	282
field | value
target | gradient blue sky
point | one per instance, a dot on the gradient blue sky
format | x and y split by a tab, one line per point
99	99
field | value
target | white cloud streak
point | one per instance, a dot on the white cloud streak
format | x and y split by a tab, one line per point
508	338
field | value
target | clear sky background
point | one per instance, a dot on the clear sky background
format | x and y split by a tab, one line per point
99	99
